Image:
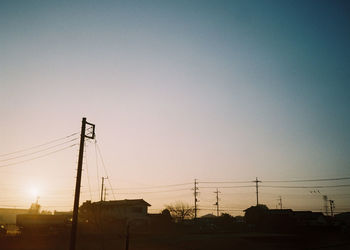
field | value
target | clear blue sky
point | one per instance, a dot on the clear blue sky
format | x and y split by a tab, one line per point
214	90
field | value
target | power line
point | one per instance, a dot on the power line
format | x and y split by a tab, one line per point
39	151
330	186
266	186
152	187
97	168
311	180
162	191
218	182
87	173
302	180
37	146
245	186
40	156
104	166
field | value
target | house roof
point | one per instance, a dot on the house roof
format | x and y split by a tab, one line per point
308	214
126	203
208	216
280	211
13	211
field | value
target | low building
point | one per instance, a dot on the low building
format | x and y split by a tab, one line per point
8	215
343	218
115	215
281	212
115	209
309	218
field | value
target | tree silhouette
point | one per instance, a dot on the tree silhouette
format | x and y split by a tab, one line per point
180	211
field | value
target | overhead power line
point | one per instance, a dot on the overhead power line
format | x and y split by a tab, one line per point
40	156
40	145
161	191
223	182
104	167
245	186
152	187
302	180
39	151
311	180
266	186
327	186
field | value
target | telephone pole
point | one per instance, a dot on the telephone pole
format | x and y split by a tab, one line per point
103	180
105	194
325	201
257	190
217	202
195	198
280	202
331	205
78	181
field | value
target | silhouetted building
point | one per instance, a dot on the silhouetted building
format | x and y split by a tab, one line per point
8	215
281	212
309	218
115	215
344	219
116	209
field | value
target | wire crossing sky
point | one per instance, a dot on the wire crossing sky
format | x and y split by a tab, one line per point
178	90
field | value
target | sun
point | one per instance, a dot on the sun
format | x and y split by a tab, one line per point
34	191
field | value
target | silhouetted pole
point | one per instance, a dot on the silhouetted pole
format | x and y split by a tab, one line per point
103	179
195	198
257	190
217	202
280	202
325	201
78	182
331	204
105	194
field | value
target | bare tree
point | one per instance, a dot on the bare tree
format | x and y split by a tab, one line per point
180	211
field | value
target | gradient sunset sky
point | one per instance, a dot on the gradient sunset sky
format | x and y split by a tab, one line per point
178	90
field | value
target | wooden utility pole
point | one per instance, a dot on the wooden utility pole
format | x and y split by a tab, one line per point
217	202
103	179
331	205
325	202
195	198
257	190
280	202
78	181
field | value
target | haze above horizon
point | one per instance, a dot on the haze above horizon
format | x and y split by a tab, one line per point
179	90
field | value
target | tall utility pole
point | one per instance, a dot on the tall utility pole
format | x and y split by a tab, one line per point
103	179
257	190
325	202
105	194
195	198
280	202
78	181
217	202
331	205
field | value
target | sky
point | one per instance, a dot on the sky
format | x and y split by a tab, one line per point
178	90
